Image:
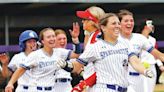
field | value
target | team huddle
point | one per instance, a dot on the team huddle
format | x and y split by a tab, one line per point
113	58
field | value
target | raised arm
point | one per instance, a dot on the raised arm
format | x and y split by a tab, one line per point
75	39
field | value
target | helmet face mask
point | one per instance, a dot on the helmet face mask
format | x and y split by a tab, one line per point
26	35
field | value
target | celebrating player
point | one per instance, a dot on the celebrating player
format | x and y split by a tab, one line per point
63	78
139	43
146	27
110	56
28	43
90	18
41	65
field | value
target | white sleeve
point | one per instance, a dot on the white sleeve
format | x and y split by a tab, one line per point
64	53
89	55
130	49
13	63
148	46
31	61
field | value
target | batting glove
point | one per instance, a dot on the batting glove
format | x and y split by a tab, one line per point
66	65
61	63
149	73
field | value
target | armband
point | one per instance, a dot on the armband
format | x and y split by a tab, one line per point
77	48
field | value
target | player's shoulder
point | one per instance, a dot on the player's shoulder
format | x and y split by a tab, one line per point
94	36
137	35
19	55
151	38
35	53
60	49
123	40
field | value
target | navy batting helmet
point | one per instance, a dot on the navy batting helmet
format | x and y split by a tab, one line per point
26	35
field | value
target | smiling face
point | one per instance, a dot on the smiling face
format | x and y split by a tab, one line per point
127	24
110	26
112	29
61	41
48	39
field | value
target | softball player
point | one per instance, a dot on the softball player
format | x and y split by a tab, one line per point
41	65
139	43
90	18
63	78
110	57
145	28
27	43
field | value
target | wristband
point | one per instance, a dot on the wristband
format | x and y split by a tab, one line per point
159	63
68	67
77	48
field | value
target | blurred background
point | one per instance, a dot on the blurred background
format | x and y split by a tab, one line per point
17	16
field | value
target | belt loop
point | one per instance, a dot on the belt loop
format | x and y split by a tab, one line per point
39	88
25	87
48	88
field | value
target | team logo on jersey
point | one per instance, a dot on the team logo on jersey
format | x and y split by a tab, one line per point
106	53
43	64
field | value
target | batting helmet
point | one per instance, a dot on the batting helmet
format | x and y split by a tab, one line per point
26	35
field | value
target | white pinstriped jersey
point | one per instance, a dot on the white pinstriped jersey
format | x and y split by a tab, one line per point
15	62
110	61
43	67
139	43
89	69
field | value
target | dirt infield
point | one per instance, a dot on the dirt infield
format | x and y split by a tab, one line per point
159	88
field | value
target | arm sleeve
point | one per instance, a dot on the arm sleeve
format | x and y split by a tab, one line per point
130	49
13	63
31	61
146	44
89	55
64	53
